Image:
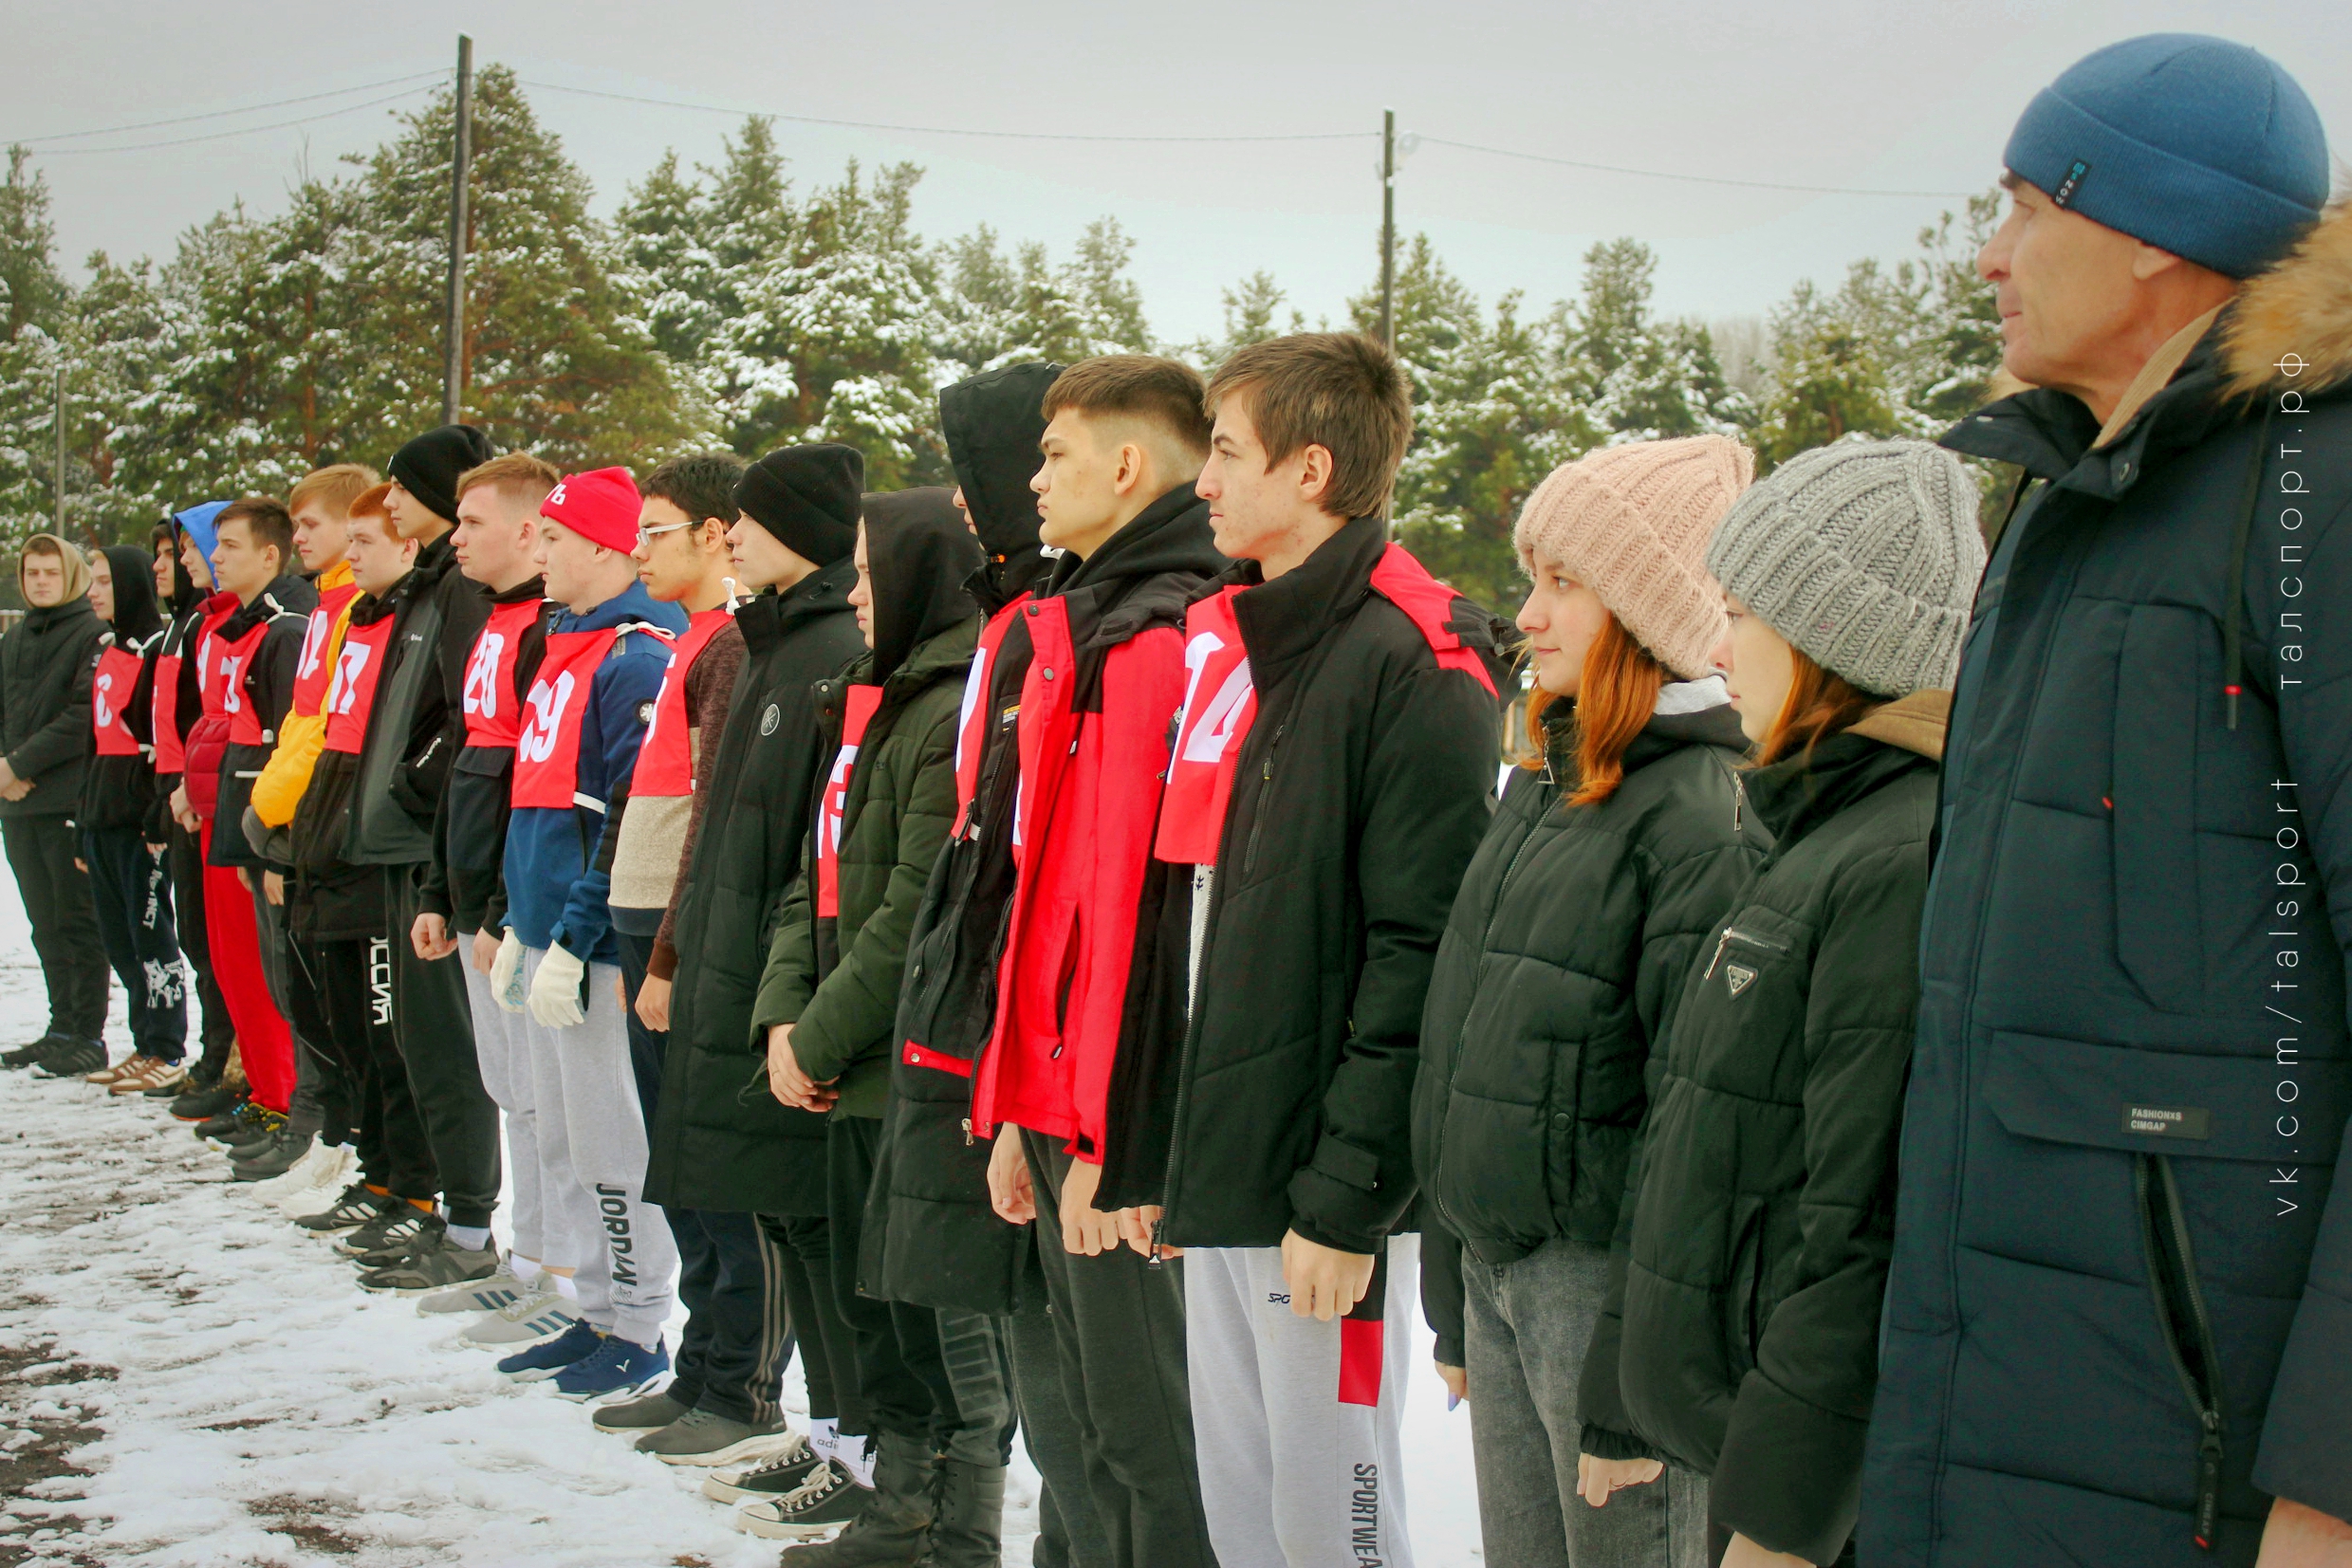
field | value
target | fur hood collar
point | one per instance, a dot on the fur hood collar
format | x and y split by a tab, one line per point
2300	308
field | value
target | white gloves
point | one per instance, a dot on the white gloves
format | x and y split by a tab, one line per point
555	990
505	972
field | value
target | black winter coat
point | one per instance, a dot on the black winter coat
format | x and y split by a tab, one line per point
463	882
416	724
328	899
1741	1334
2120	1314
930	1179
1559	976
721	1140
268	685
1361	791
118	793
45	666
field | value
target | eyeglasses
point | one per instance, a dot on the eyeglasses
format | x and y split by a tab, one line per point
646	536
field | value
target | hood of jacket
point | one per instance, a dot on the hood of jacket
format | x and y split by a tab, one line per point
2291	327
286	595
1799	793
918	557
76	574
992	424
135	618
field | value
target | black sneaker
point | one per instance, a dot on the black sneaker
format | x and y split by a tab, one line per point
273	1156
356	1207
386	1239
202	1103
26	1056
827	1498
220	1128
71	1059
771	1476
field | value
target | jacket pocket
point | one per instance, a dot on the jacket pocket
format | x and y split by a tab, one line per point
2185	1324
1744	1295
2173	1103
2153	828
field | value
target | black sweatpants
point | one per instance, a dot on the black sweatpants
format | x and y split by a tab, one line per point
216	1032
436	1041
1070	1530
901	1378
65	921
738	1336
131	888
1118	1322
350	1005
803	1245
309	1110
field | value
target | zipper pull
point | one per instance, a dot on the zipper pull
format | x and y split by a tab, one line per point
2208	1480
1739	797
967	1132
1721	942
1158	1225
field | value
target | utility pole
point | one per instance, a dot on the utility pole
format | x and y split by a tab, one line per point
61	451
1388	230
461	163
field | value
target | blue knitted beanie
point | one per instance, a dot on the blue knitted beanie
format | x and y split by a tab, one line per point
2196	145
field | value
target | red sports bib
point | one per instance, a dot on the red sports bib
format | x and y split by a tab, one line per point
311	675
547	747
972	722
1219	702
110	697
856	712
170	755
358	664
665	761
230	662
493	712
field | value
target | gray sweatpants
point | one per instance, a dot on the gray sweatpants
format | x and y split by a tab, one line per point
592	1153
503	1051
1290	1476
1526	1328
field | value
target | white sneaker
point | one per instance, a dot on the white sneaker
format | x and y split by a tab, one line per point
521	1321
335	1170
501	1289
294	1178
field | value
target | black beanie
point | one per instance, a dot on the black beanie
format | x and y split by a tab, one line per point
807	497
428	468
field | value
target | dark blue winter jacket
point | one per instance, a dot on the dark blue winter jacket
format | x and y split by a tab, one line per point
555	888
2120	1314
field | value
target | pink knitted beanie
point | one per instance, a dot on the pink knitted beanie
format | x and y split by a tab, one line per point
1632	523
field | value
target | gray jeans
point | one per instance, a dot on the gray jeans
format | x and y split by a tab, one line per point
1527	1325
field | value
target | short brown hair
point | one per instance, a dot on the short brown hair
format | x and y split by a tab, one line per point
266	520
1167	392
1340	391
334	487
516	473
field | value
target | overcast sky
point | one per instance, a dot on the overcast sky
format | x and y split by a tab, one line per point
1871	94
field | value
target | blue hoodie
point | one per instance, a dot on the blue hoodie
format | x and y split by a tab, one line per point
196	522
555	890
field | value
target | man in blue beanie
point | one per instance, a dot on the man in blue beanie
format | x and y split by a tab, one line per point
2118	1322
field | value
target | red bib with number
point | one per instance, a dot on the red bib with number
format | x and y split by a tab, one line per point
856	712
547	747
1219	703
358	664
225	692
311	674
110	698
493	712
665	760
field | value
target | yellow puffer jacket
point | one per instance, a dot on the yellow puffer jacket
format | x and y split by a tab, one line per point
303	733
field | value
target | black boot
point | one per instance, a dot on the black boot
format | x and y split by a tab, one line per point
894	1528
967	1525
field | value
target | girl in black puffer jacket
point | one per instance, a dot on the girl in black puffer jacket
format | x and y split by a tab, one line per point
1609	861
1741	1339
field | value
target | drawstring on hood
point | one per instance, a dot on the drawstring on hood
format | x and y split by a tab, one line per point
918	556
134	618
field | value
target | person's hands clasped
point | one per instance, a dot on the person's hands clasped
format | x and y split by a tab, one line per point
1086	1229
1596	1478
788	1082
1324	1283
1010	1192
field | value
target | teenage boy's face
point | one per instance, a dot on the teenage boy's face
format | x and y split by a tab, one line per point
320	536
569	560
1560	618
1253	509
163	574
239	565
411	518
862	597
44	578
102	585
378	557
761	561
496	533
191	564
669	555
1757	671
1077	485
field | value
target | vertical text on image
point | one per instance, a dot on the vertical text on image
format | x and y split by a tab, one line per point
2291	887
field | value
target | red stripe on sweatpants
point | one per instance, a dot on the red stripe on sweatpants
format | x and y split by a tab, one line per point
264	1045
1360	1359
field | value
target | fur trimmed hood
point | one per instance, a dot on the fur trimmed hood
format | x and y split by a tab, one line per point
2300	306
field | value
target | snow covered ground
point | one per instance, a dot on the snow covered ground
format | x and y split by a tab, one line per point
187	1379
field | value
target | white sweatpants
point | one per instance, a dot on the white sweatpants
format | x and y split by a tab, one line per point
505	1056
1290	1477
592	1156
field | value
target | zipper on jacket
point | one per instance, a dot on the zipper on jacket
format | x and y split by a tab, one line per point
1739	797
1732	934
2165	1233
1266	787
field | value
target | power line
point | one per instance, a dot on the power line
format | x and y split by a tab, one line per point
936	130
216	135
221	113
1694	180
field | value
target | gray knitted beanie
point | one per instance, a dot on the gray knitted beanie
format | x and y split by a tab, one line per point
1864	555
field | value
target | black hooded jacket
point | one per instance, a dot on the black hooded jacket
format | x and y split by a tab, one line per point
418	722
120	792
930	1236
720	1141
187	617
462	883
268	685
991	423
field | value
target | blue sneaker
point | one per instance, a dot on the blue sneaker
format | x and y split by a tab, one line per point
549	1356
616	1367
